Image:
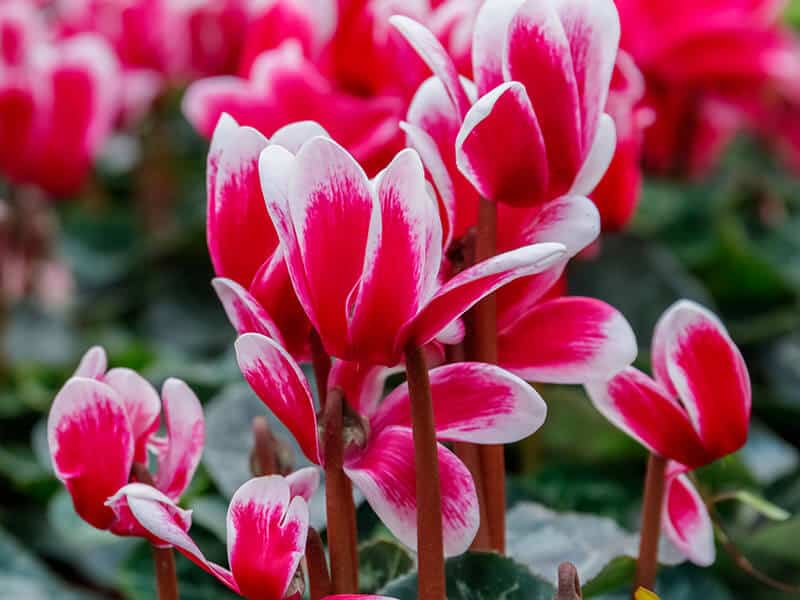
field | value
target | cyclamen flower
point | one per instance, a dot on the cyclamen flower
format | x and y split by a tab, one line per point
344	237
696	410
472	402
102	422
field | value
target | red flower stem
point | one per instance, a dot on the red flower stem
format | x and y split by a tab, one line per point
264	461
342	539
647	563
319	579
163	558
430	543
484	334
321	363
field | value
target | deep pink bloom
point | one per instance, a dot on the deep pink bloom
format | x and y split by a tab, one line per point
685	518
473	402
696	410
101	422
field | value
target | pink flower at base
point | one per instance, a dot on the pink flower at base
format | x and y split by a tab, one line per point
695	411
102	422
472	402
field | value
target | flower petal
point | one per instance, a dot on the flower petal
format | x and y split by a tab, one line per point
568	340
91	445
244	312
141	403
178	460
410	233
93	365
281	385
267	531
386	476
686	521
694	355
303	482
500	148
640	407
599	158
489	39
126	523
468	287
472	402
240	234
362	384
294	135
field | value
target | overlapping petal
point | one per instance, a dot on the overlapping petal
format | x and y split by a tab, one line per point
685	518
245	312
141	403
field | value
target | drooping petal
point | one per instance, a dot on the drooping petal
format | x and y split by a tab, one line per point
361	383
303	482
500	147
281	385
599	158
386	476
126	523
141	403
472	402
538	55
178	459
640	407
435	56
468	287
267	531
686	521
489	39
410	233
244	312
568	340
694	355
91	445
93	365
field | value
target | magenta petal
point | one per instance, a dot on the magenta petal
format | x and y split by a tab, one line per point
489	40
179	457
281	385
141	403
694	355
267	531
240	234
93	365
386	476
640	407
244	312
568	340
472	402
686	521
500	148
465	289
362	384
91	445
127	524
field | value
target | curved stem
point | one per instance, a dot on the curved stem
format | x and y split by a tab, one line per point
319	579
647	563
430	542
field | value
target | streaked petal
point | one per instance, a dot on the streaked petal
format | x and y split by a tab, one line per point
93	365
500	148
568	340
267	531
693	354
489	40
91	445
141	403
281	385
599	158
244	312
178	459
386	476
303	482
472	402
686	521
640	407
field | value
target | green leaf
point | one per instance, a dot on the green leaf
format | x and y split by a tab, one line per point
480	576
381	561
617	573
765	507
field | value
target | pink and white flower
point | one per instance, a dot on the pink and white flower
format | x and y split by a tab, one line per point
103	421
472	402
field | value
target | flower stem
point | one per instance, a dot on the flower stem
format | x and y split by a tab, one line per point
264	461
647	563
484	349
318	578
342	538
430	542
163	558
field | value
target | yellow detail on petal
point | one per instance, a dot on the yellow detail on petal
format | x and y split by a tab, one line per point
643	594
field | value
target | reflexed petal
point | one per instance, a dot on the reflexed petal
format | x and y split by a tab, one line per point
686	520
472	402
91	445
303	482
141	403
240	234
465	289
386	476
599	158
500	148
244	312
694	355
489	40
568	340
640	407
93	365
267	531
127	524
178	460
410	234
281	385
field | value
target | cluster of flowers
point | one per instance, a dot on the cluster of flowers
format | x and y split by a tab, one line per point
313	257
